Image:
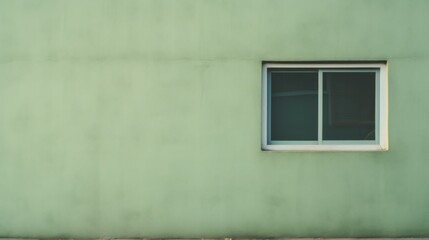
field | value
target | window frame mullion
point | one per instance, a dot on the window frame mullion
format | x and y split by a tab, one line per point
320	108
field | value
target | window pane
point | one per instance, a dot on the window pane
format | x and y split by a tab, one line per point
349	106
294	106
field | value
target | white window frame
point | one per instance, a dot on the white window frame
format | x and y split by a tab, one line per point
381	122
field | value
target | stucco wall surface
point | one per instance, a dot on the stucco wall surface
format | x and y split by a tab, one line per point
143	118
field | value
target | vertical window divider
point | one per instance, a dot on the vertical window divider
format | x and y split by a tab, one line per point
320	108
269	108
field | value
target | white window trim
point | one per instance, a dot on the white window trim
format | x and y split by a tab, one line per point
381	142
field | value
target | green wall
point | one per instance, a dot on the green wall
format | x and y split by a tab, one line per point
124	118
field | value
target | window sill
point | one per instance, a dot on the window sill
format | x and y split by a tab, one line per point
327	148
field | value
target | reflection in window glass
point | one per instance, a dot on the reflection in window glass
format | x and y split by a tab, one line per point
348	106
294	106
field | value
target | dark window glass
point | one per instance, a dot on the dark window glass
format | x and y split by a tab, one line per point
349	106
294	106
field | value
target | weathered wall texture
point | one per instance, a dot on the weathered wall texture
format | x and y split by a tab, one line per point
142	118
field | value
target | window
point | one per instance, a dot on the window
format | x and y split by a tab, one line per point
324	106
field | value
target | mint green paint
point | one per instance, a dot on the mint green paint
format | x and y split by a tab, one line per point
142	118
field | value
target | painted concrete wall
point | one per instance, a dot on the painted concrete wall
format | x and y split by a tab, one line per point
142	118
